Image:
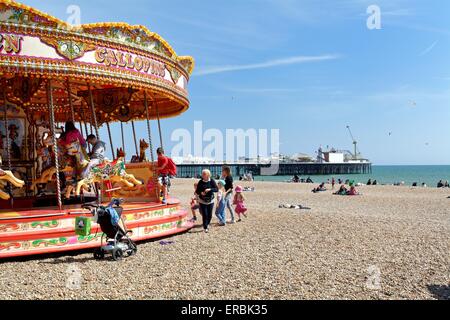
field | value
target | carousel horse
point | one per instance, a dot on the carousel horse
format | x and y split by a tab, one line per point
120	153
143	146
108	171
75	150
71	150
8	176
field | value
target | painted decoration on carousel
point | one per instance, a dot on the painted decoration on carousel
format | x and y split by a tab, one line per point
16	135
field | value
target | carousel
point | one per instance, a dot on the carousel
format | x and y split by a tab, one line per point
103	75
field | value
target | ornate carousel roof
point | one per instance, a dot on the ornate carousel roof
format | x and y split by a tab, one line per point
122	64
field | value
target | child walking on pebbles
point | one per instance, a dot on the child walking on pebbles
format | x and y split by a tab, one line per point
221	203
194	204
239	202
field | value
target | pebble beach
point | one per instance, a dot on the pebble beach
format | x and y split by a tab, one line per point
389	243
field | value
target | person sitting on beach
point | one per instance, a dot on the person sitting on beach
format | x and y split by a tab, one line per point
296	179
333	183
440	184
194	204
374	183
342	191
320	188
309	180
369	183
352	191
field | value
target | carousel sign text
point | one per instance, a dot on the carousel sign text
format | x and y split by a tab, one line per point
10	43
116	58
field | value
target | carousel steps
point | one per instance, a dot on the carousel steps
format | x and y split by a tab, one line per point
47	230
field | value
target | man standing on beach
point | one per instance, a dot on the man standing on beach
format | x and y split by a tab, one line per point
226	175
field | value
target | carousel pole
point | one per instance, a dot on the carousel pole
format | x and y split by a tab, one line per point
152	157
8	147
159	125
5	121
72	111
123	136
111	141
94	116
55	141
134	137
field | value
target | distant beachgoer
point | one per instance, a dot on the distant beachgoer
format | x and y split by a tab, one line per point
440	184
239	202
320	188
221	203
205	190
369	183
424	185
374	183
309	180
352	191
340	181
342	190
296	179
333	183
414	184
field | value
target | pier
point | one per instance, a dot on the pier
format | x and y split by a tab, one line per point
285	169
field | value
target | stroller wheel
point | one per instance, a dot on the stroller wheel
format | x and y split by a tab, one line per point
117	254
99	254
133	250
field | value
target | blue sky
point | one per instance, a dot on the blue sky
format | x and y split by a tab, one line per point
308	68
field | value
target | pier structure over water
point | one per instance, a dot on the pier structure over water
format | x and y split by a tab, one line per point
285	169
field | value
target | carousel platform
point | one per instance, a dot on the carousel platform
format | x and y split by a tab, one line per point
26	232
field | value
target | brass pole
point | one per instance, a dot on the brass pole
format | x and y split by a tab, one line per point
134	136
110	141
159	125
72	111
55	141
152	157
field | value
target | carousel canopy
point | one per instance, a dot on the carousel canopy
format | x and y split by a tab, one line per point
121	65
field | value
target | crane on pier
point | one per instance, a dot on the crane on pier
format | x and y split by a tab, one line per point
355	144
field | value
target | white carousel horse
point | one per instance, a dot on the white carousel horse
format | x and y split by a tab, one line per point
8	176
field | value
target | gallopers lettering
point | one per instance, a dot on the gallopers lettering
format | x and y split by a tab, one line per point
10	43
114	58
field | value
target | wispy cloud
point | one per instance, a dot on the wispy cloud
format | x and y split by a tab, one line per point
267	64
428	50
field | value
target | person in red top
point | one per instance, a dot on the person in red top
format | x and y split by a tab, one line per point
166	169
71	134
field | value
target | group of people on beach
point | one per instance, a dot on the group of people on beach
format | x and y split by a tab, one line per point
343	190
221	195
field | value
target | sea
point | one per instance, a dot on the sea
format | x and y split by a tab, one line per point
388	175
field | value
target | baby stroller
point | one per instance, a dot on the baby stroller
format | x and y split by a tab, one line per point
115	239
